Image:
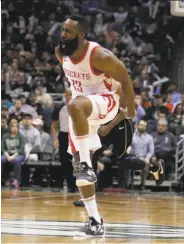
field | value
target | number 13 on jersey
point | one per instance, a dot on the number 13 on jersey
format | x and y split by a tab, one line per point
77	85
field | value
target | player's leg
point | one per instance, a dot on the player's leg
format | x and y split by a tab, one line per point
88	200
122	139
81	110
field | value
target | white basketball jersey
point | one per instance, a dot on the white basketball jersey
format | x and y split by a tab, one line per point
82	76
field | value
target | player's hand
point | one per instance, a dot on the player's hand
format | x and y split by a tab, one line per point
147	161
104	130
126	114
56	144
107	153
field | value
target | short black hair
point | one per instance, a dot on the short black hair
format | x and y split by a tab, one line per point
4	108
27	115
21	96
142	121
82	22
3	117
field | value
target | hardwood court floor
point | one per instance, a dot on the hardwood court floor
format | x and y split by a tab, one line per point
50	217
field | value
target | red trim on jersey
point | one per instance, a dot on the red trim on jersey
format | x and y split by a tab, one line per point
82	137
83	56
107	85
91	66
110	106
88	199
71	143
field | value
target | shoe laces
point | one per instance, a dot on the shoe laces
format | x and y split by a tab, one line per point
90	227
81	169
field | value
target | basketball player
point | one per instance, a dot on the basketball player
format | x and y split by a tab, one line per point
93	73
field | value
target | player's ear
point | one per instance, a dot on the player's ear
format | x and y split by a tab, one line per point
82	35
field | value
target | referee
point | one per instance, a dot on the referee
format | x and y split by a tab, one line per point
61	114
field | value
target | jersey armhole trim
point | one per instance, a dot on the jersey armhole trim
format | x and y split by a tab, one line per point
91	66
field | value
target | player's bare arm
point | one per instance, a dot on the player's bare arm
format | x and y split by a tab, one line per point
119	92
54	133
105	129
105	61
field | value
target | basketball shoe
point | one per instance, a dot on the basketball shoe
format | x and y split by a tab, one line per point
84	174
79	203
92	229
159	174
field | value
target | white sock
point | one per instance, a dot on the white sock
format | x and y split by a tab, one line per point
84	152
91	207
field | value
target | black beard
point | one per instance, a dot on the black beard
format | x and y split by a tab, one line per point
68	47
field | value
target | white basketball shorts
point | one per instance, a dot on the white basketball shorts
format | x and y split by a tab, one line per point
105	108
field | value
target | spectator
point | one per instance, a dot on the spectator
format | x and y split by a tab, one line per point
144	77
175	119
165	145
176	96
143	63
127	40
11	75
6	99
168	103
140	112
32	138
142	148
32	101
46	142
139	47
26	107
156	108
16	111
121	15
46	100
21	107
152	124
5	111
42	97
13	121
145	100
13	152
20	84
22	98
4	126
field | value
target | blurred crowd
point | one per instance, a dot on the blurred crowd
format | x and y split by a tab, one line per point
141	33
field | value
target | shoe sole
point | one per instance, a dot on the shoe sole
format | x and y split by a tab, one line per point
84	182
78	235
155	174
76	205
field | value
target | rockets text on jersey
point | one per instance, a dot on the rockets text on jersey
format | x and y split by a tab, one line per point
82	76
